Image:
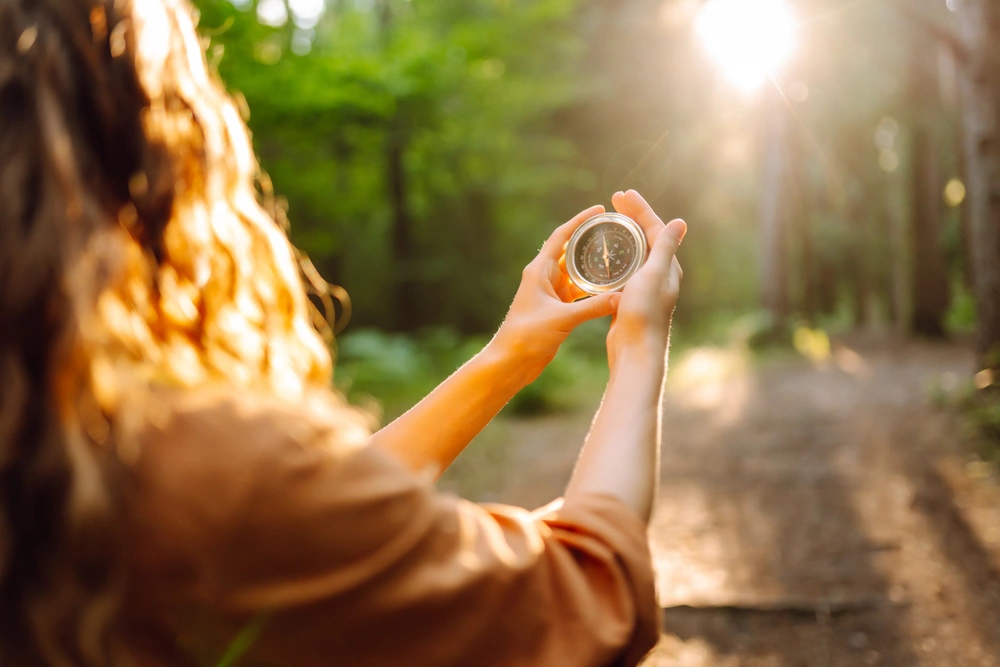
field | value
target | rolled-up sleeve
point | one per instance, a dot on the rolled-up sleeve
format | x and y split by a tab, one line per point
346	558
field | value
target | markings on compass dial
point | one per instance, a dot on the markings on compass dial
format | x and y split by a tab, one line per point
590	255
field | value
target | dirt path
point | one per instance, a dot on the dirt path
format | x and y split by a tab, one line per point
805	518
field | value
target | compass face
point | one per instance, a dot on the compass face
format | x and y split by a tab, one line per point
605	252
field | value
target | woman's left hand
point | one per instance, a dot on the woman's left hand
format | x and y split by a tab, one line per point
546	308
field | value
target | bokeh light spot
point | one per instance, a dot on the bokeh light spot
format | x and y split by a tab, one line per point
306	13
267	53
272	12
954	193
983	379
888	160
813	344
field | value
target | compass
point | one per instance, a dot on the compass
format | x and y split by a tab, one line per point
604	252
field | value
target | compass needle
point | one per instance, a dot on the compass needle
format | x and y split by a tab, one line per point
607	264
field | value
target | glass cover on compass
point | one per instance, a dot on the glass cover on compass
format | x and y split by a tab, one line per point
605	252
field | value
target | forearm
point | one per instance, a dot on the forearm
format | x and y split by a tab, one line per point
436	430
621	454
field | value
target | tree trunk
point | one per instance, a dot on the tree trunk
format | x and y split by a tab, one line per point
929	272
407	308
899	268
803	208
774	213
979	22
857	266
406	313
964	211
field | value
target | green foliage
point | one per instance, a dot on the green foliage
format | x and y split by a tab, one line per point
982	410
573	377
397	370
427	148
466	90
961	317
979	408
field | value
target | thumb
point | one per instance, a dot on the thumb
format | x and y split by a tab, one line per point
667	242
594	307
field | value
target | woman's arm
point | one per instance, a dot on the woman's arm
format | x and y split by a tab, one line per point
544	312
262	523
621	455
436	430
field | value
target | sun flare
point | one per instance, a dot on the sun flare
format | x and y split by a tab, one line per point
750	39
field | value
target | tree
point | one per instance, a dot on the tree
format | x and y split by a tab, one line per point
775	212
413	140
979	25
929	276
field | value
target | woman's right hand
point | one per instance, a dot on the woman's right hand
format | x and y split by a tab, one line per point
641	327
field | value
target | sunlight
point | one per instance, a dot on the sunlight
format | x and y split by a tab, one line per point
749	38
712	379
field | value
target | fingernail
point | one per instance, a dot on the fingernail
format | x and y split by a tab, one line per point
679	228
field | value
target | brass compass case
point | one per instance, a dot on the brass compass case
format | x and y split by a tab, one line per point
605	252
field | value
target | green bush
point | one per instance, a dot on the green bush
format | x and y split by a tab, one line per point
397	370
985	414
961	316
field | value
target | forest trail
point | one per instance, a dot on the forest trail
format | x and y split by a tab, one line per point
810	514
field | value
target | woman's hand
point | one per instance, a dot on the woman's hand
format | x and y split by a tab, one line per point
642	323
621	455
436	430
546	307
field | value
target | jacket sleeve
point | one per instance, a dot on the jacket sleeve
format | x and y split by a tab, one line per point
340	556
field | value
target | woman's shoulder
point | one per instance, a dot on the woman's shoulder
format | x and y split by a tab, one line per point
223	418
223	476
195	460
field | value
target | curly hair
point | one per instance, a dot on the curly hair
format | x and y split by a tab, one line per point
134	249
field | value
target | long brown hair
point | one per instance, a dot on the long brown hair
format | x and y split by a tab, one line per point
133	250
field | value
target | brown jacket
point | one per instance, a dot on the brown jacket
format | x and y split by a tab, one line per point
255	529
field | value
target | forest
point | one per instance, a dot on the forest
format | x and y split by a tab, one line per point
832	417
425	149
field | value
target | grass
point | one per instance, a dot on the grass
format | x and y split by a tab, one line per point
983	412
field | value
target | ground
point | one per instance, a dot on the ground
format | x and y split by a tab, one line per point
812	513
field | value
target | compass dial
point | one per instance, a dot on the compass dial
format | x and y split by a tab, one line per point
605	252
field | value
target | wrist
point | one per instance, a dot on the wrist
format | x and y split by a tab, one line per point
508	362
519	350
647	348
648	354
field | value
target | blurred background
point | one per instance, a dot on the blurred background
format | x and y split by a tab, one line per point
832	414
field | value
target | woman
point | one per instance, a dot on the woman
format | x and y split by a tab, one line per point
179	485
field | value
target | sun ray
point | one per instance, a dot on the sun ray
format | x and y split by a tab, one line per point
750	39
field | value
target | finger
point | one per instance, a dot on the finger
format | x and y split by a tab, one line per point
666	245
618	201
594	307
553	248
562	288
643	213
